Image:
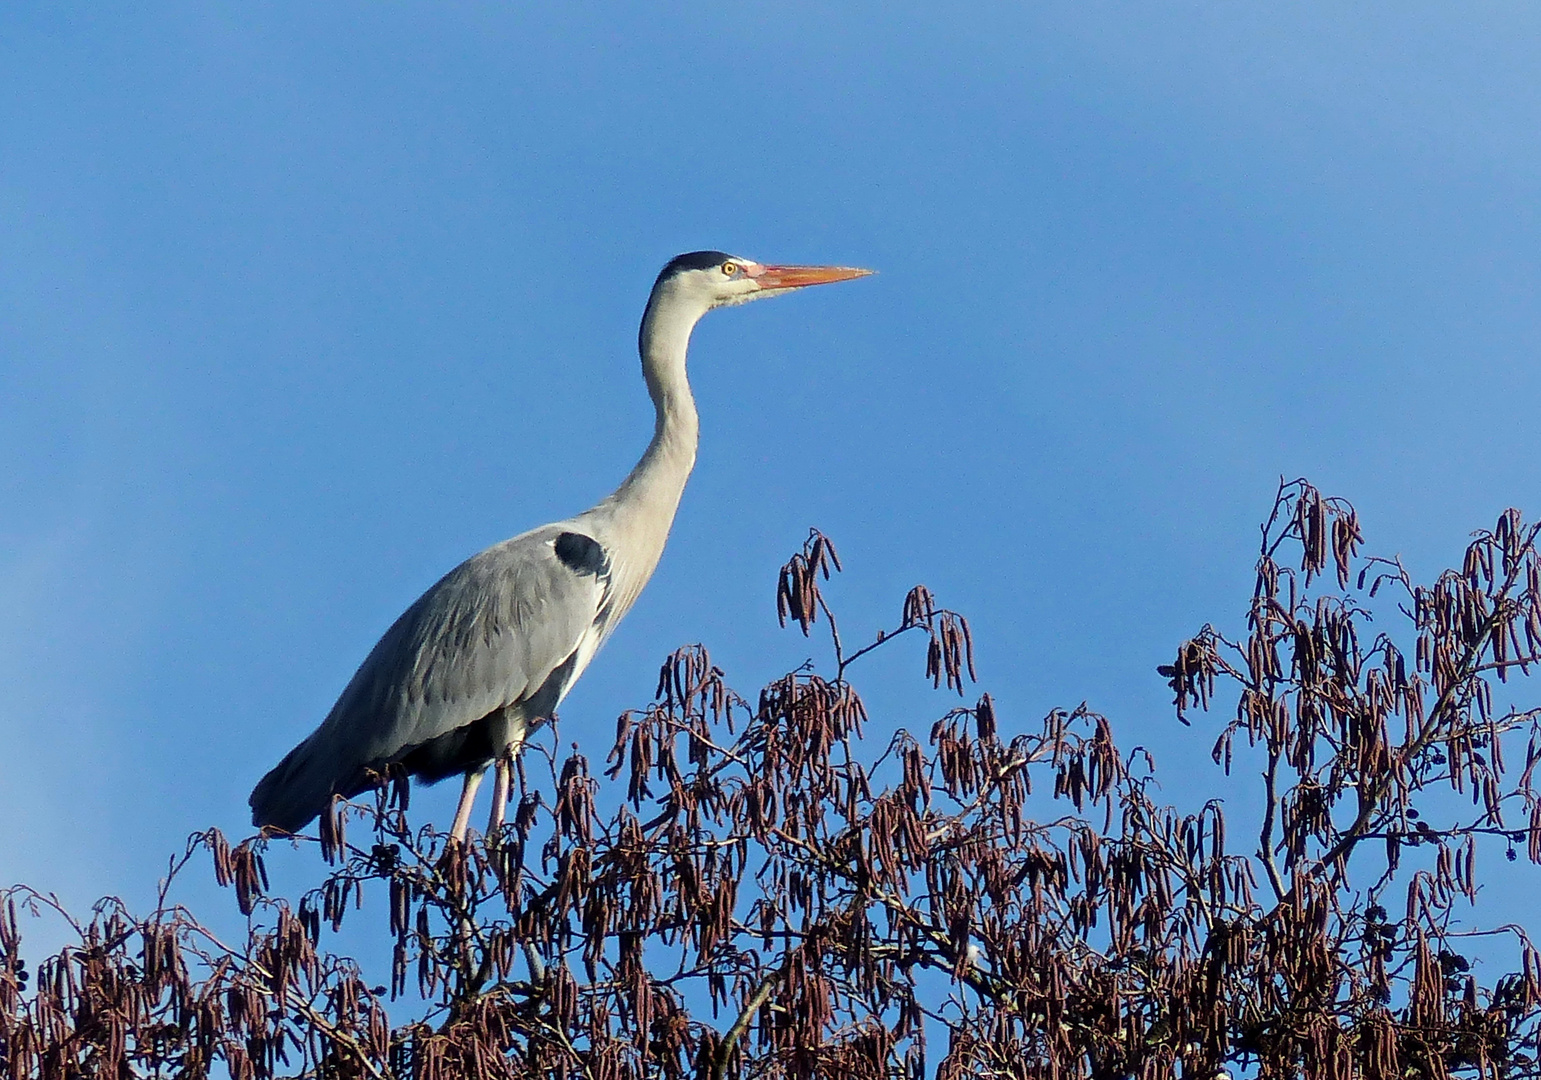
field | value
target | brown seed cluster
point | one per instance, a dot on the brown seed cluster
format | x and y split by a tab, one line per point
793	886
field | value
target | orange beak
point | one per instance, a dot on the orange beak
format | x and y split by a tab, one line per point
797	277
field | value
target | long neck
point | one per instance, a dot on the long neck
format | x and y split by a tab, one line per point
642	509
655	485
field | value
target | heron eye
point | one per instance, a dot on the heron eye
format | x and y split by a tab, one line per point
729	269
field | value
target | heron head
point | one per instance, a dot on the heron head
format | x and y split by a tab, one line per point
713	279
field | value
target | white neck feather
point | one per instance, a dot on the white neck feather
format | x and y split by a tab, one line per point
636	517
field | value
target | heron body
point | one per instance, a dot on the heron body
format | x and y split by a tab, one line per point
490	650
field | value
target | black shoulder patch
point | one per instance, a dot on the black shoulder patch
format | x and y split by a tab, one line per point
582	554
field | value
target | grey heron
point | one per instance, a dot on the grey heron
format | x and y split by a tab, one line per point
488	652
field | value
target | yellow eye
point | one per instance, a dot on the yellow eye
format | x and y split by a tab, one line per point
729	268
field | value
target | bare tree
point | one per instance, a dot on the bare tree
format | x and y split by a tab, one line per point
752	888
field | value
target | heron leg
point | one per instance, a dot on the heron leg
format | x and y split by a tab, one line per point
463	811
500	770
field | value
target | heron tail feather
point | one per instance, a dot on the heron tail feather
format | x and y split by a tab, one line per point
297	789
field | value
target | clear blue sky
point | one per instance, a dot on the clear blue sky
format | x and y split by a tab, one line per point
300	304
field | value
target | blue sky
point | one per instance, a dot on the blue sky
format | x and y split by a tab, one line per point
301	304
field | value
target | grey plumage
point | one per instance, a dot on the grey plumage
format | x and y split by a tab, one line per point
491	649
495	640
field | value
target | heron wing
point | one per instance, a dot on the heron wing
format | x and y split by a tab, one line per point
489	634
510	626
